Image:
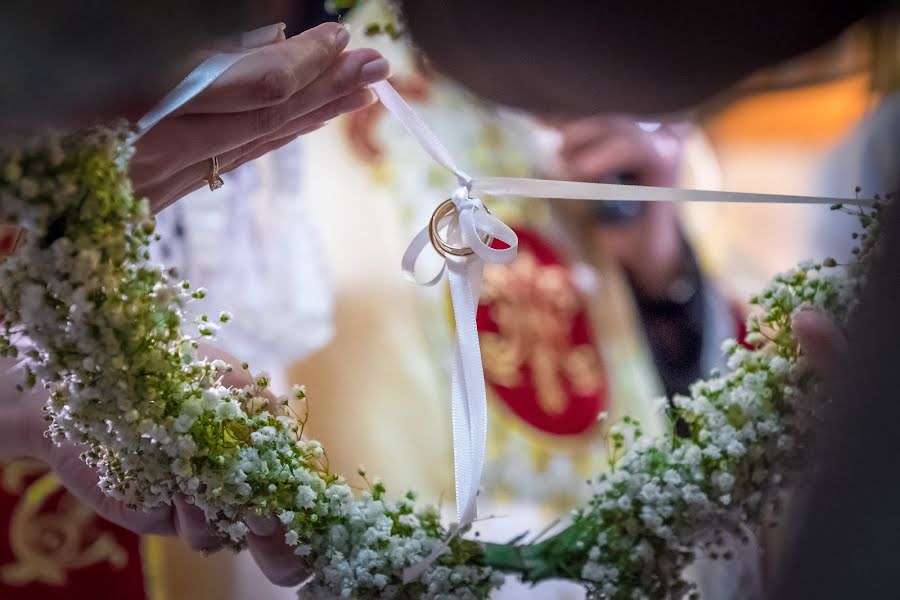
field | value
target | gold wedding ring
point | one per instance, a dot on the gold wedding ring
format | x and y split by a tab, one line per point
444	210
213	179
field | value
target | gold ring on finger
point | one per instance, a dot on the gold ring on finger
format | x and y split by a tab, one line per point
214	179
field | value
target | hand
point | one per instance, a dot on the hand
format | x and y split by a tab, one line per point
820	339
603	148
22	436
824	345
264	101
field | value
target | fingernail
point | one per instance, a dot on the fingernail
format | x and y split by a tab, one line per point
262	36
342	35
375	70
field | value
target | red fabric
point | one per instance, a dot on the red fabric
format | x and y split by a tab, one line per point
53	548
739	314
533	308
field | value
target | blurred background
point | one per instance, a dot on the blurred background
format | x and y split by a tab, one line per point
605	310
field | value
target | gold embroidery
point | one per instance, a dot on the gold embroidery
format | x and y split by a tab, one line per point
47	544
534	307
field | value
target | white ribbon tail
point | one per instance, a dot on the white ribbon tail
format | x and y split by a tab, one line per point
414	571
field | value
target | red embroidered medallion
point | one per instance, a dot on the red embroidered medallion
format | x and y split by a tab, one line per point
53	547
539	350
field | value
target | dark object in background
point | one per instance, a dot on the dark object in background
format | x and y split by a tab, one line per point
641	56
307	15
87	58
74	60
846	528
676	328
616	212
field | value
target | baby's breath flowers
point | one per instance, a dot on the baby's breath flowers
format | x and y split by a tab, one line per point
102	328
732	442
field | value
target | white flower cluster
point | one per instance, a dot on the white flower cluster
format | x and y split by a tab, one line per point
104	328
732	439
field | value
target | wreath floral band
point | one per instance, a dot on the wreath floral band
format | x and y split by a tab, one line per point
107	336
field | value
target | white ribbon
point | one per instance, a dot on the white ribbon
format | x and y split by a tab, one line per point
577	190
197	80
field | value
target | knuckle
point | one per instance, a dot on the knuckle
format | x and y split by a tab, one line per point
265	120
276	84
321	53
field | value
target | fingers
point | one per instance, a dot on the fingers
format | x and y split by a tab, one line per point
276	559
82	481
614	156
823	343
191	181
578	134
165	195
261	526
596	149
273	74
196	137
191	526
162	191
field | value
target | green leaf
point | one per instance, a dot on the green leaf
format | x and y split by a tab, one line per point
334	6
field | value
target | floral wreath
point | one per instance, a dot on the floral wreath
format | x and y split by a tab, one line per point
104	335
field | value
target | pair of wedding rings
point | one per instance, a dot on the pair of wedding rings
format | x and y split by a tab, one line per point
444	210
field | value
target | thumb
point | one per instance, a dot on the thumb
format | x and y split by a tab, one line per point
821	341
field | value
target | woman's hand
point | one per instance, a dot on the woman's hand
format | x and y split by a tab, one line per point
267	99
